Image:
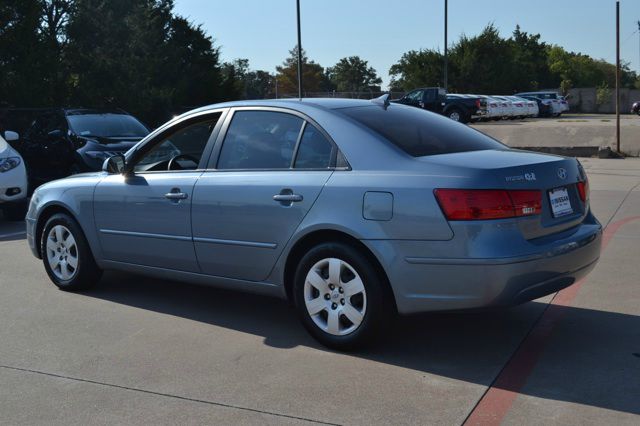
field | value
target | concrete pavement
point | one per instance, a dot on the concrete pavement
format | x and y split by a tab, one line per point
570	130
143	351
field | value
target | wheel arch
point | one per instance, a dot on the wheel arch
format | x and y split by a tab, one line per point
44	215
325	236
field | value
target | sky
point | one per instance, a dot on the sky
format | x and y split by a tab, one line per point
380	31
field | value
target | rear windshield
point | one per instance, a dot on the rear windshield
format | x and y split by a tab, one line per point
107	125
418	132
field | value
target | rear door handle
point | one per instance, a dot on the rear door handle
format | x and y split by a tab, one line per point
288	198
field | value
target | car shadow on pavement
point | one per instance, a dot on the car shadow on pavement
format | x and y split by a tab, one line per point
592	357
11	230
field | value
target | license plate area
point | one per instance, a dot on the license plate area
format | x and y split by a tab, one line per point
560	202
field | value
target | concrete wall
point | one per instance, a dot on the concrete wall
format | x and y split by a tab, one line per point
584	100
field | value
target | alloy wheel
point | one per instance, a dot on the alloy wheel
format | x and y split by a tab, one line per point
455	116
62	252
335	296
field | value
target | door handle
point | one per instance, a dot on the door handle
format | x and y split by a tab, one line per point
288	198
176	195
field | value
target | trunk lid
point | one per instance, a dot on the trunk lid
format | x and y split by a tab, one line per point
555	176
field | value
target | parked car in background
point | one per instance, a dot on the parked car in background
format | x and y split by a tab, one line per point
520	105
551	98
61	142
354	210
493	108
544	106
435	99
13	179
529	108
511	111
564	104
635	108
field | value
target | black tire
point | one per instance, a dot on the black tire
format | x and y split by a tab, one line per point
379	306
87	273
456	114
15	212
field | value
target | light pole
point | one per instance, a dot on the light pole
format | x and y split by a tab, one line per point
446	59
618	76
299	52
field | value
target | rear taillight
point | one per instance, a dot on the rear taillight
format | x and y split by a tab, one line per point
583	190
483	204
478	103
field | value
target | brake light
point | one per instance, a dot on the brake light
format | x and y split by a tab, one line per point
483	204
583	190
478	103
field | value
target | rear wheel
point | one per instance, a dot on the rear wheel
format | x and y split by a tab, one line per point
456	114
66	254
340	297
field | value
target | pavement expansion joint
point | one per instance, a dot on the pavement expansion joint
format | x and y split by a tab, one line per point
166	395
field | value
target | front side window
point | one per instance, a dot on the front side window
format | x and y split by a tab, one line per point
315	151
415	96
180	150
260	140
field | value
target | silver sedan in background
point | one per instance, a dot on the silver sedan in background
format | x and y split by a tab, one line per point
353	210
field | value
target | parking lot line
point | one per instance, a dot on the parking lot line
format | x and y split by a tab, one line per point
499	397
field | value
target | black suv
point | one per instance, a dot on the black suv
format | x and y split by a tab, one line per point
61	142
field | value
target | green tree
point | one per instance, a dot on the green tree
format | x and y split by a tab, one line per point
417	68
603	94
246	83
353	74
313	75
482	64
23	66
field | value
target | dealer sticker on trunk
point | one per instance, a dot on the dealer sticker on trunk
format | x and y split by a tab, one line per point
560	203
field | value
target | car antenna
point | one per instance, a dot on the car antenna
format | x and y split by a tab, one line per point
382	100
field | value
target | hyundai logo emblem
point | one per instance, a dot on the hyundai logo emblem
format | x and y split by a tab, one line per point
562	173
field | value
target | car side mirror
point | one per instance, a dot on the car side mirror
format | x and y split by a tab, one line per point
114	165
55	134
10	136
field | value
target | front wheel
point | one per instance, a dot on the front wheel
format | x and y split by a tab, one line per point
340	297
66	254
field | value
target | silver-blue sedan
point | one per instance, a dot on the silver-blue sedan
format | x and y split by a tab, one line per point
354	210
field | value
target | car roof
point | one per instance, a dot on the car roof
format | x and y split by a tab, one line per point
293	103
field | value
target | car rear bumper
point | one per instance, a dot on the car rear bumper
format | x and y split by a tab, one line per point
424	284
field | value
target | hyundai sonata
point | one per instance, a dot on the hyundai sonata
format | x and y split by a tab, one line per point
353	210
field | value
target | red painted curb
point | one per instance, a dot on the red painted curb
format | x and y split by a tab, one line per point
496	402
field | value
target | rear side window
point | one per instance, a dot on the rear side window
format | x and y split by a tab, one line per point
418	132
260	140
314	151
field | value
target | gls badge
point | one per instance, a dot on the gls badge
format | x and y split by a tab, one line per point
530	176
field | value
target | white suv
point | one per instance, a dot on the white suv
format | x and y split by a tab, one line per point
13	179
